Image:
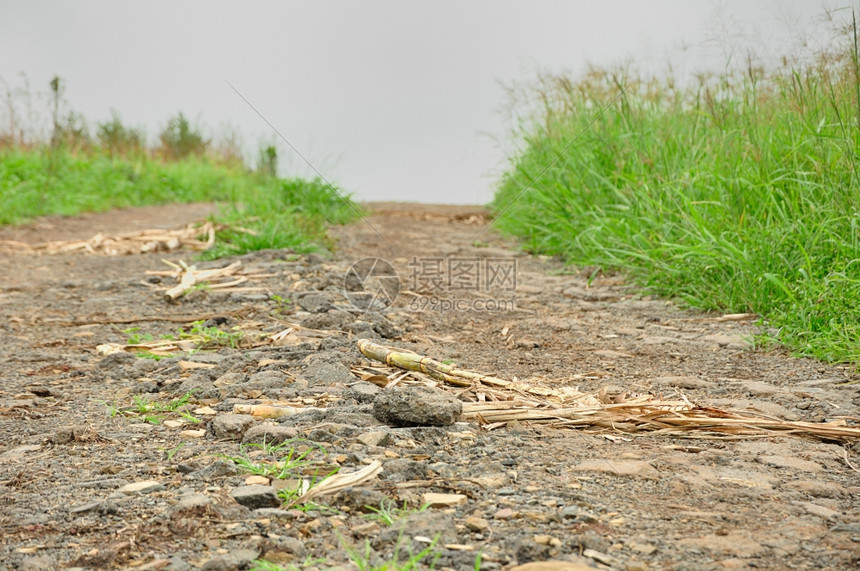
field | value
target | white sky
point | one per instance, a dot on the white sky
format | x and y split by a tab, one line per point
391	100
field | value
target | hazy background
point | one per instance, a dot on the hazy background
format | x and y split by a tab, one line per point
393	100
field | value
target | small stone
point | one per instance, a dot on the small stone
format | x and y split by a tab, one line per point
232	426
416	406
251	480
544	539
643	548
328	373
477	524
217	469
683	382
375	438
236	559
192	501
98	506
505	514
144	487
362	392
256	496
205	411
173	423
443	500
269	434
193	433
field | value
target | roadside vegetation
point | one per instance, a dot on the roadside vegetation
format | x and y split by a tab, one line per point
738	192
54	161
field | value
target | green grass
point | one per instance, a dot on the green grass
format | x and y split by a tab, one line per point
740	193
281	213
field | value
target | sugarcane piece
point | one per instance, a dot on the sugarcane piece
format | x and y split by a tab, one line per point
413	362
190	276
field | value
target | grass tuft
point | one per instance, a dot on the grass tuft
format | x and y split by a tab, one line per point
739	193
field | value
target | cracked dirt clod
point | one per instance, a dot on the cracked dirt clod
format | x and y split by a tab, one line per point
519	492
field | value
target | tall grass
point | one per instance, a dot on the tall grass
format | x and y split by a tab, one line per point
738	193
50	164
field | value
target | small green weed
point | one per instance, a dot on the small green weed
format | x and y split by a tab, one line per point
364	559
388	512
154	412
169	453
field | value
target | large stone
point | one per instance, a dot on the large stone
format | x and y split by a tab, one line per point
232	426
256	496
416	406
269	434
142	487
321	373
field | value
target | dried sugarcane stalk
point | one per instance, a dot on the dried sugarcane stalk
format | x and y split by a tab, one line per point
190	276
414	362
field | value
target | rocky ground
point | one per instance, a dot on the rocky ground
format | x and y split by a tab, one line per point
123	461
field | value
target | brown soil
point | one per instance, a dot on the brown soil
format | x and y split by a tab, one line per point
532	493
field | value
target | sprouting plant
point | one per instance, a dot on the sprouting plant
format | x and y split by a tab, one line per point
135	338
283	305
287	459
212	336
388	512
171	452
189	417
363	560
144	407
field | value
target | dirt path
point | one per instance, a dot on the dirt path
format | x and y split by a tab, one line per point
68	468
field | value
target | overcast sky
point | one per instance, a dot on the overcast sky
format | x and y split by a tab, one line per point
394	100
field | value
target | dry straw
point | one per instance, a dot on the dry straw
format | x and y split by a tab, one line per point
498	402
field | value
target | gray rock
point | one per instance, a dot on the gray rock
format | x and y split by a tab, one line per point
683	382
403	470
115	360
217	469
268	379
358	498
327	374
99	506
231	425
375	438
191	502
269	434
256	496
236	559
202	388
362	391
144	487
416	406
315	303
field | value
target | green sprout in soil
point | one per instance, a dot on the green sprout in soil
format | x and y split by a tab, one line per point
388	512
364	560
154	412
